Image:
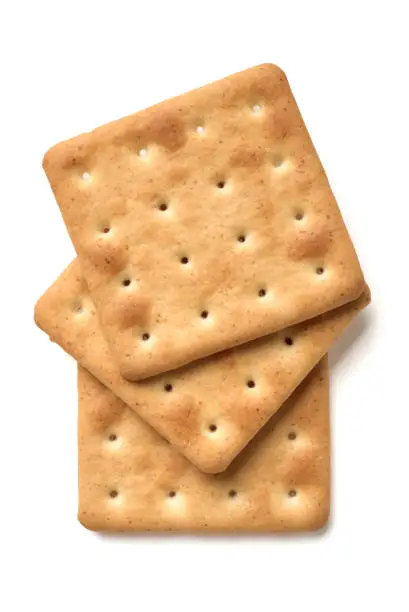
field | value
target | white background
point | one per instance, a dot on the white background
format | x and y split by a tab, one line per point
67	67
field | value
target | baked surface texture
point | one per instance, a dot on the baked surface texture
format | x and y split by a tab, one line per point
130	479
204	222
210	409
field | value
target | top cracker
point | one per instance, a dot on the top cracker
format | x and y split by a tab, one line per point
204	222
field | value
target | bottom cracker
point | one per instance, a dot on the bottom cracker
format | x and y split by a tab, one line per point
131	479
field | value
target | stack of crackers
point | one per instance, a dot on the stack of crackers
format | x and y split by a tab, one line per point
214	272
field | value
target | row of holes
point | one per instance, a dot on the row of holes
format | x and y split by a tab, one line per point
232	493
221	184
250	383
204	314
185	260
212	427
145	336
142	153
78	308
240	238
256	108
262	292
164	206
126	282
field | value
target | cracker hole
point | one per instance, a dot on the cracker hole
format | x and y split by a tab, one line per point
126	282
113	493
112	437
241	238
142	153
221	184
172	494
262	292
168	387
277	162
288	340
299	216
292	493
200	129
86	177
212	427
251	384
145	337
232	493
184	260
78	307
256	108
163	206
204	314
106	229
292	435
320	270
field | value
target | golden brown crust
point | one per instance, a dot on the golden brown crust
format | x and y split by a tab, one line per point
245	201
130	479
211	392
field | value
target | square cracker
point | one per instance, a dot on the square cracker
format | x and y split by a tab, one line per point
196	240
207	409
130	479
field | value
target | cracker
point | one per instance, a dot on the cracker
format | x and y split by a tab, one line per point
196	240
208	410
130	479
